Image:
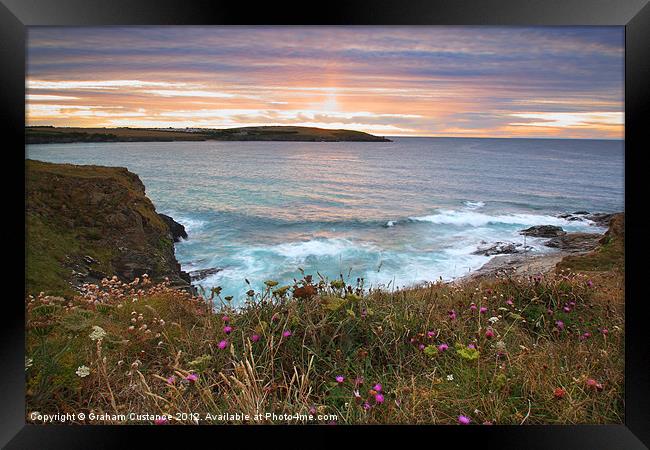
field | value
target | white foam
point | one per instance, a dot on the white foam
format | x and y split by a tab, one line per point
477	219
314	247
473	205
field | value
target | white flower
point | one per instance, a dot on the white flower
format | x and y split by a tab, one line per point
97	333
450	378
83	371
493	319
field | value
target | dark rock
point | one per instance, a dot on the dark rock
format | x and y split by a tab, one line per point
177	230
544	231
200	274
500	248
581	213
575	242
600	219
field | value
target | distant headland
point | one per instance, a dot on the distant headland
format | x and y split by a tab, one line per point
52	135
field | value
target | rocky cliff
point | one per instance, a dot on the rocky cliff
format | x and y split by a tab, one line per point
84	223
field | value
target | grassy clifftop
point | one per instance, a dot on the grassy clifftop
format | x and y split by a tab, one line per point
84	223
47	135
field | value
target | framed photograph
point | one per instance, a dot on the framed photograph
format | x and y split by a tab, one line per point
379	217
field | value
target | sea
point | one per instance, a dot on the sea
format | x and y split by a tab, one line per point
395	214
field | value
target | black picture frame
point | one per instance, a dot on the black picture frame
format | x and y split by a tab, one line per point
634	15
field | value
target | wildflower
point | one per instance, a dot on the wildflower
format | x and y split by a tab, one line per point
339	379
356	393
471	347
585	336
489	333
472	307
225	319
493	320
227	329
566	309
483	310
560	325
421	346
442	347
509	302
161	421
171	380
223	344
377	387
452	315
593	384
192	377
83	371
590	283
366	406
464	420
379	398
604	331
431	334
559	393
255	337
450	377
287	333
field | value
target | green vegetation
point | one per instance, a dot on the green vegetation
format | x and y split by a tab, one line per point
505	351
610	255
46	135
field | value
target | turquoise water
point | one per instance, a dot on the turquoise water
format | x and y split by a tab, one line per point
401	212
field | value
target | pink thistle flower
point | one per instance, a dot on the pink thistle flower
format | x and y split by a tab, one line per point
379	398
452	315
161	421
171	380
549	312
225	319
472	307
377	387
192	377
340	379
255	337
223	344
442	347
590	283
572	303
287	333
489	333
566	309
421	346
366	406
227	329
431	333
509	302
471	346
464	420
483	310
560	325
604	331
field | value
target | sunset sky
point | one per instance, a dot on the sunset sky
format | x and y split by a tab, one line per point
393	81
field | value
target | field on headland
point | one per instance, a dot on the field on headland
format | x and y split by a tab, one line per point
48	134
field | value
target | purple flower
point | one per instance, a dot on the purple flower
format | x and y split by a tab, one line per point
472	307
225	319
192	377
483	310
566	309
431	333
421	346
377	387
223	344
560	325
604	331
227	329
489	333
161	421
379	398
255	337
171	380
366	406
340	379
287	333
509	302
590	283
442	347
464	420
452	315
471	346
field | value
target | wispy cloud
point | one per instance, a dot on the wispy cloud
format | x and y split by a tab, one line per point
464	81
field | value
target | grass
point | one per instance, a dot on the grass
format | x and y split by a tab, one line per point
164	352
